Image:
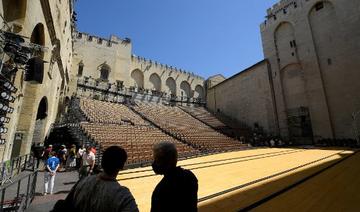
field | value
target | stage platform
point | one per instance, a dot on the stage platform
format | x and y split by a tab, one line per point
264	179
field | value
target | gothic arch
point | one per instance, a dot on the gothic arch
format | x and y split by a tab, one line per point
293	84
185	89
42	109
38	37
104	72
285	44
199	92
171	86
40	122
137	77
327	34
155	82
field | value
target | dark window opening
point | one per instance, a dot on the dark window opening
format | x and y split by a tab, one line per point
90	38
38	37
79	35
329	61
284	10
14	9
34	70
291	44
100	41
319	6
104	74
119	84
42	109
80	70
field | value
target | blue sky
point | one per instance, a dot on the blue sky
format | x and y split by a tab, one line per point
206	37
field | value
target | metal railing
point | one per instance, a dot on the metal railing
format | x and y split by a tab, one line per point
18	195
13	167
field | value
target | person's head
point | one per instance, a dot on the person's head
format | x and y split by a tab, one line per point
113	160
53	153
88	149
50	146
165	157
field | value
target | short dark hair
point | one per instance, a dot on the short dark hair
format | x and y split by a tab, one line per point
113	159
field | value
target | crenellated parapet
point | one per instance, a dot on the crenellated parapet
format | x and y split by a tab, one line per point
150	63
113	41
280	10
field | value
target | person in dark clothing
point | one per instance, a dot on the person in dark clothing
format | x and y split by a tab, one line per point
177	191
38	152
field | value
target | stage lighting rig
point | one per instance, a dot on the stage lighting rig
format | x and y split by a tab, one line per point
16	54
22	54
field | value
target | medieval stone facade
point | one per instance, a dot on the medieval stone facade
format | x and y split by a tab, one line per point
48	24
313	48
111	61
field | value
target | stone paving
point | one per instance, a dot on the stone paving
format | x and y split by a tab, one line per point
64	181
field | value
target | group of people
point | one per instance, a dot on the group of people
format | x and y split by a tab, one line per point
65	159
177	191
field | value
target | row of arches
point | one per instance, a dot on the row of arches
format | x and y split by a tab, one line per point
137	77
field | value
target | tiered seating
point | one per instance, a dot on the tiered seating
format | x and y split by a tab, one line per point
205	116
184	126
138	141
106	112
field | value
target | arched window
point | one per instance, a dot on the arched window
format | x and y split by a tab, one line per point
138	78
104	72
199	92
185	89
38	37
171	86
42	109
155	82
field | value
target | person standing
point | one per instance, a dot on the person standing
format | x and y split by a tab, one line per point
62	153
177	191
47	153
87	163
79	155
52	165
38	152
102	192
71	159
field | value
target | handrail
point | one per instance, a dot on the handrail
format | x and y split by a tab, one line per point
23	197
15	166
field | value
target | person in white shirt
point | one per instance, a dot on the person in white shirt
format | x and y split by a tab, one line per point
87	163
79	155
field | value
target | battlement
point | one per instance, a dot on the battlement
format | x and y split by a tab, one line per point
114	40
279	10
150	63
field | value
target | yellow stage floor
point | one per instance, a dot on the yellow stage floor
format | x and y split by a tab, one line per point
237	180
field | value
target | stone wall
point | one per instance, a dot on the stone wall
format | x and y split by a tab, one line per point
314	51
246	97
38	21
94	54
